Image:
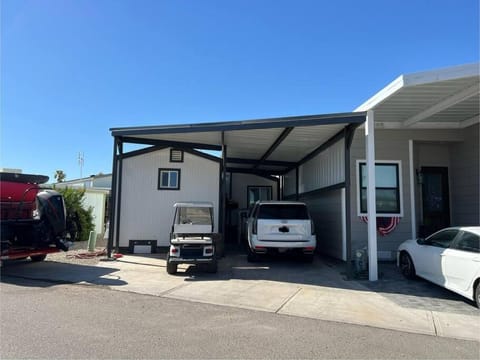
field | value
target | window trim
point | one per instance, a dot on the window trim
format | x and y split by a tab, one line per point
169	170
400	186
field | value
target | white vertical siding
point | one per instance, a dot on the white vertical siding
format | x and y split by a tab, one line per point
325	169
146	212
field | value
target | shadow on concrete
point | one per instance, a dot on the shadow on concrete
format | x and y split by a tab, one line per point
49	273
328	272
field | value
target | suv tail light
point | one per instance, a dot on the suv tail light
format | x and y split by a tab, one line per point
254	227
312	224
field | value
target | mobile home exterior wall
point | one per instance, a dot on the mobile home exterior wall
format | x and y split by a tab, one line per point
452	148
147	212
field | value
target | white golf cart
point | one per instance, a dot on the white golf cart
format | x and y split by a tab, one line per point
192	240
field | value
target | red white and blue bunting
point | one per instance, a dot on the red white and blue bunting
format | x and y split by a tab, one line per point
385	225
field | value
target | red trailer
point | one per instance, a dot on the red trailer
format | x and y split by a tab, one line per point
32	218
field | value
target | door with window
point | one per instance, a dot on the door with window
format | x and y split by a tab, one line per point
258	193
435	199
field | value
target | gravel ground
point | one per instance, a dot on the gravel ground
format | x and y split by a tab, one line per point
79	254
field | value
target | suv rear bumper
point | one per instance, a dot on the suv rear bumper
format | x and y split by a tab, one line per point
307	246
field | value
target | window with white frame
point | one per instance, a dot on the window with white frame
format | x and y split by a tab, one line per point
168	179
388	187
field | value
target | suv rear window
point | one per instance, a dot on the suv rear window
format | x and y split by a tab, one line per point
283	212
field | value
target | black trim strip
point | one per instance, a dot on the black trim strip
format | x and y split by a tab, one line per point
275	145
266	162
308	120
264	173
168	143
156	148
316	191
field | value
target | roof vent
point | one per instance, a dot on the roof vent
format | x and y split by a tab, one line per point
176	155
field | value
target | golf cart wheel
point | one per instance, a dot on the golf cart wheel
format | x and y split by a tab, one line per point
171	267
38	258
477	294
406	266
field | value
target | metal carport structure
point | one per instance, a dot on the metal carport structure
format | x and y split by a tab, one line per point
265	147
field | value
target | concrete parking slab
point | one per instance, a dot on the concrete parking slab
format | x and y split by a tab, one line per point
317	290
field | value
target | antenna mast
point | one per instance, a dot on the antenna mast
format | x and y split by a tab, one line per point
80	162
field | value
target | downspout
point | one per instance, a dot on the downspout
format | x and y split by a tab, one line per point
371	198
113	201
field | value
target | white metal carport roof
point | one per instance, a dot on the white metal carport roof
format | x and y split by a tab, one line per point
438	99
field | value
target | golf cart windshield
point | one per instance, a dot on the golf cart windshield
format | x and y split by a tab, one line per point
194	216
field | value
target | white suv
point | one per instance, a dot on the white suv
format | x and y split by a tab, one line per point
280	226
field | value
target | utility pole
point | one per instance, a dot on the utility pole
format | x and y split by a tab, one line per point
80	162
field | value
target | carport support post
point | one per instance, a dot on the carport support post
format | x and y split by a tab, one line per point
371	198
113	199
223	201
349	131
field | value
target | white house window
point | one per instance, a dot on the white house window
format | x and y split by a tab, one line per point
256	193
168	179
388	187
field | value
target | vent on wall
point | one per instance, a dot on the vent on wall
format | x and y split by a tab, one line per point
176	155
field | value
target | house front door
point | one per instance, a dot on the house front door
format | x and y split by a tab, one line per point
435	200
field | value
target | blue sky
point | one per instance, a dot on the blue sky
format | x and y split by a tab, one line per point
73	69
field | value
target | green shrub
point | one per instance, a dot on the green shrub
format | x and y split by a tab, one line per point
79	219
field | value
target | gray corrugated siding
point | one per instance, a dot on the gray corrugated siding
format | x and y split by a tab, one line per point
326	211
464	179
393	145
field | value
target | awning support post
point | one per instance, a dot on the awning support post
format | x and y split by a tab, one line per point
412	190
223	200
113	199
371	197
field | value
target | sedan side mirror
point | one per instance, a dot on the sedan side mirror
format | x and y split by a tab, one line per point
421	241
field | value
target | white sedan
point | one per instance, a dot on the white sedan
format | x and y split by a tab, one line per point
449	258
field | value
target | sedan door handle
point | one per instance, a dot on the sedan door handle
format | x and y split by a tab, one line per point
476	259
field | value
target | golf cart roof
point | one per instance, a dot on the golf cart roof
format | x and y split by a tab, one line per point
194	204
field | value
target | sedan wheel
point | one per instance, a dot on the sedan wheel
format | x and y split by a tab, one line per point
406	266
